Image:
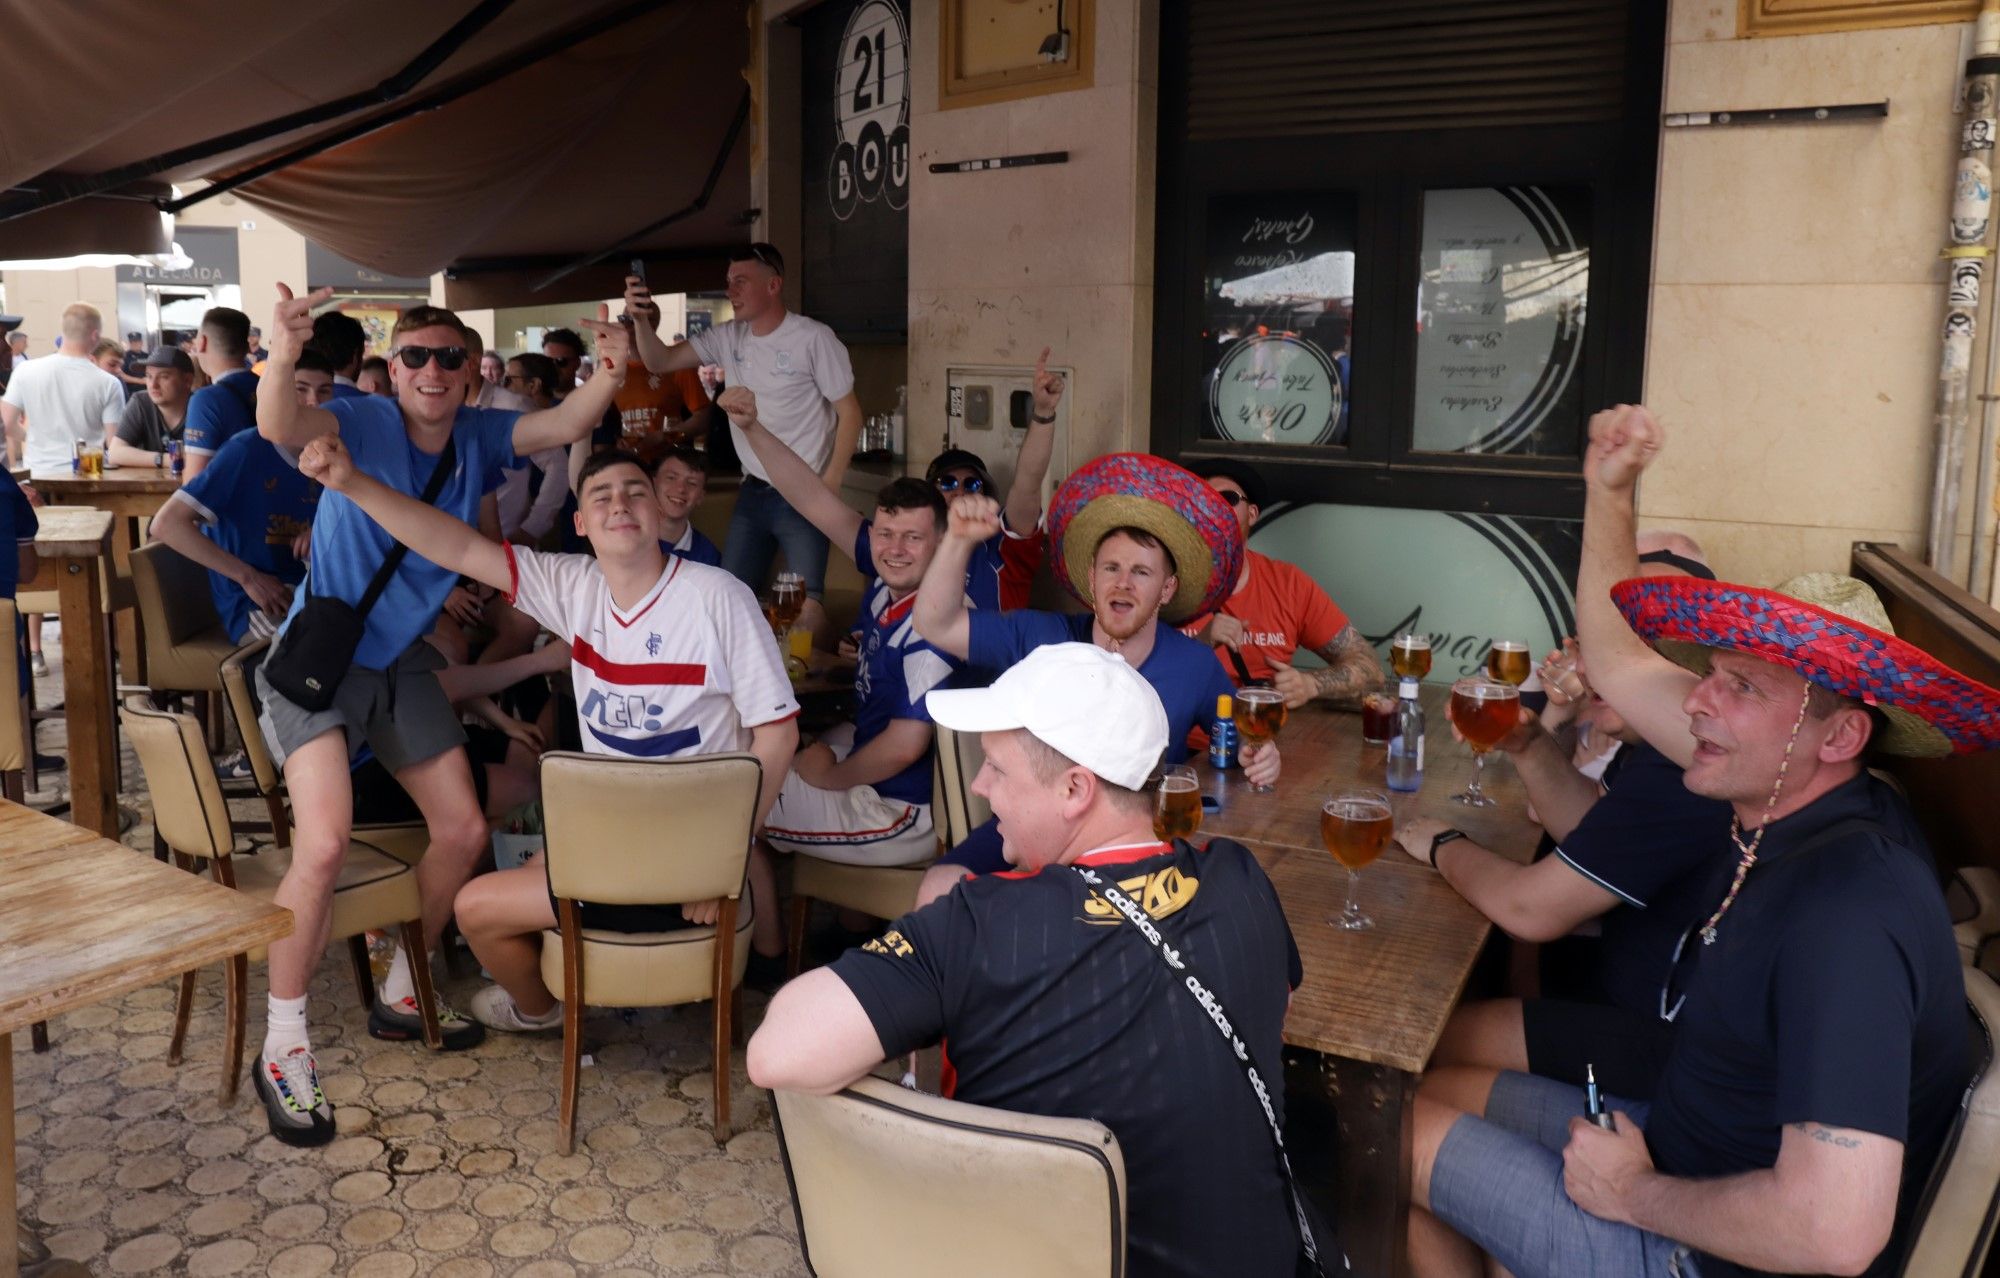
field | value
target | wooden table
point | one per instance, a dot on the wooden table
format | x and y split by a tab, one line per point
84	919
71	544
1373	1004
134	496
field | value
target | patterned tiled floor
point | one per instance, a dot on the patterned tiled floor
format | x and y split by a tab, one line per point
446	1163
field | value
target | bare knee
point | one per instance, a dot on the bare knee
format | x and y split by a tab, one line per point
1463	1088
1488	1034
507	903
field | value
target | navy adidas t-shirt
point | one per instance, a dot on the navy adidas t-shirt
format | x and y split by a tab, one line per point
1077	1016
1832	995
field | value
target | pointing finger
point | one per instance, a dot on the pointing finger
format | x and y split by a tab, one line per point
1042	364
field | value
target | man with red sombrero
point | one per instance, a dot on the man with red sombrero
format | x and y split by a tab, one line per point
1821	1041
1138	539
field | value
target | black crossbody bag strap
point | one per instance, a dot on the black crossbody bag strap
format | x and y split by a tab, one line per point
1184	978
447	460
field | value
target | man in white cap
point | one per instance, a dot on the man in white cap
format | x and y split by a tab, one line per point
1091	1009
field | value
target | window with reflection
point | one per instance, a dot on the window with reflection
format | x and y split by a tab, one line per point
1277	318
1500	321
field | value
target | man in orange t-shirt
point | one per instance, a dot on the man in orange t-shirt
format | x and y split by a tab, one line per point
649	401
1276	609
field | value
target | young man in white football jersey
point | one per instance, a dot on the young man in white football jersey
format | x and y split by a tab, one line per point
669	658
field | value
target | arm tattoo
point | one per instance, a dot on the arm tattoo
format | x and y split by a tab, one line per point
1351	668
1827	1136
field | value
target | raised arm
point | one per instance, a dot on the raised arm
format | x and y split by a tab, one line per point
1645	688
448	542
656	355
798	483
280	419
940	615
1024	495
572	419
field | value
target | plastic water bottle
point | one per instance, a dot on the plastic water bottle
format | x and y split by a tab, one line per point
1222	733
1406	743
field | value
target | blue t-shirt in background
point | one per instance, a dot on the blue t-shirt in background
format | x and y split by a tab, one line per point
217	413
895	670
1183	671
348	546
252	503
695	548
341	390
18	526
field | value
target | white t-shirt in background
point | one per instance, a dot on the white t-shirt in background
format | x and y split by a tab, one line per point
67	400
796	371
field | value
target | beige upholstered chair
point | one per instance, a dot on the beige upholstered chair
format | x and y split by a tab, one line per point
647	832
890	1182
955	808
374	891
1974	896
185	640
406	842
16	736
1959	1211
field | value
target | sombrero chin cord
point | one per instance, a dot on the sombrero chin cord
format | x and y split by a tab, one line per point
1749	850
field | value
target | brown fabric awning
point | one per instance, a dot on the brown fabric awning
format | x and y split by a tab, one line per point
564	157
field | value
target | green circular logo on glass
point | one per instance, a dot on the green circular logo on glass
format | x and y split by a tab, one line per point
1275	389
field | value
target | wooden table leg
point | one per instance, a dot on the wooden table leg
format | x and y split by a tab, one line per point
87	696
10	1237
125	622
1359	1179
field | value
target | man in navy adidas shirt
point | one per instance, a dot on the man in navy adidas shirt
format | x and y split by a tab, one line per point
389	698
1071	735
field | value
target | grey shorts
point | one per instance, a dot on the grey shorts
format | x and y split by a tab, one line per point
1498	1180
400	713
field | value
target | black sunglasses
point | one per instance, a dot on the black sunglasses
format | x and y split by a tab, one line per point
952	484
449	358
1231	496
769	256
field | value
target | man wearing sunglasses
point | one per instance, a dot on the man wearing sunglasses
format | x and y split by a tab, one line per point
1276	609
804	385
388	698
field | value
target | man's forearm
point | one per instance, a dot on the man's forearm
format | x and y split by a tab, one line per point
175	525
1352	669
1610	555
448	542
120	453
1497	888
280	419
774	744
1560	793
846	436
940	615
1024	495
887	755
1744	1218
566	422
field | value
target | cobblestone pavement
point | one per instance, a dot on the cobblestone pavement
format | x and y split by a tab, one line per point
446	1163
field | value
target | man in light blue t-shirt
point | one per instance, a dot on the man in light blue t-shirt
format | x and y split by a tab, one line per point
388	699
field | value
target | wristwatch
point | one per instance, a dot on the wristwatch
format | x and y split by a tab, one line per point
1439	839
1040	420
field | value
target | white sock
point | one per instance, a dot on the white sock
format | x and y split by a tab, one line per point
398	984
285	1026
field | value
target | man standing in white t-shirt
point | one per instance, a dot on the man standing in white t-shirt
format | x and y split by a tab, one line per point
805	396
66	399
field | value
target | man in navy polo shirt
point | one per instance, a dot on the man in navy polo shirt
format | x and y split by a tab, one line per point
228	406
18	526
1076	1015
1821	1041
241	519
389	698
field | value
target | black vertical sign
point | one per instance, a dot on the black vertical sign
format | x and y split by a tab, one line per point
856	161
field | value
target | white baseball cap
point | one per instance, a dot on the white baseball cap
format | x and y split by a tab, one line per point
1079	700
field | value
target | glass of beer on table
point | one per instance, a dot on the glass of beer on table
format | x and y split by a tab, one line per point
1260	712
1507	662
1355	826
1410	656
788	599
1177	805
1484	712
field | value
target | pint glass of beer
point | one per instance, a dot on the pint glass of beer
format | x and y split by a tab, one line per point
1410	656
1355	826
1260	712
1484	712
1507	662
93	461
1177	805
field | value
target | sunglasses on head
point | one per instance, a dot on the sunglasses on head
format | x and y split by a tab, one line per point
449	358
768	256
952	484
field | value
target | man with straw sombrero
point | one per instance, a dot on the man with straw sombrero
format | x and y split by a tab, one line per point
1141	541
1821	1039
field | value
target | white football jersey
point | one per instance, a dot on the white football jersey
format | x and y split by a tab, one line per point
690	670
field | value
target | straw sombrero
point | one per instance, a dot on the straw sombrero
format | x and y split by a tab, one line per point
1835	633
1137	490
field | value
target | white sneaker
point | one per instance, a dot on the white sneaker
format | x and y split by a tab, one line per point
494	1007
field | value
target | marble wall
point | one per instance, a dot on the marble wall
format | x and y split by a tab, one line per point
1797	293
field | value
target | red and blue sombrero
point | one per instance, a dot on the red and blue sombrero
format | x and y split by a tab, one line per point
1834	632
1138	490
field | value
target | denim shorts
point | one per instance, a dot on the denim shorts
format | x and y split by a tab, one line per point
1498	1180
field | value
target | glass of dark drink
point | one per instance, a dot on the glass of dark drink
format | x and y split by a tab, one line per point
1484	712
1356	827
1378	718
1260	712
1177	805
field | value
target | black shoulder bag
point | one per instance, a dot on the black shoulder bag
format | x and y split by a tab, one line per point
1312	1262
316	650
